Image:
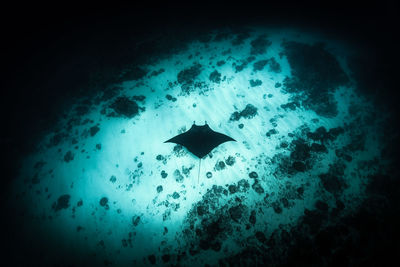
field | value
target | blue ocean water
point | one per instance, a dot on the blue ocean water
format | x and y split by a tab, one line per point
105	188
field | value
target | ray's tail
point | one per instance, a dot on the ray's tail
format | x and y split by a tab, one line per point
198	176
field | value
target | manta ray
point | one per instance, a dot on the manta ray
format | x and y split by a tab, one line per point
200	140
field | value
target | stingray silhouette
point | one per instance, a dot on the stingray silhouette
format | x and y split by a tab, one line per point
200	140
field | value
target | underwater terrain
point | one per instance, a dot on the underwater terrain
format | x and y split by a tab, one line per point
310	168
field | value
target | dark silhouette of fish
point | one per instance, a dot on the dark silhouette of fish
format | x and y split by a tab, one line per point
200	140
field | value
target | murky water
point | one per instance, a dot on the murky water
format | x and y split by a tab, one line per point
105	188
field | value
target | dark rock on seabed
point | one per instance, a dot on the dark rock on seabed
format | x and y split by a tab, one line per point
273	65
215	76
62	202
259	65
333	180
248	112
125	107
103	201
230	161
254	83
94	130
69	156
259	45
187	77
315	72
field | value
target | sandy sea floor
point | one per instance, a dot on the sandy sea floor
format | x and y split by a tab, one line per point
104	189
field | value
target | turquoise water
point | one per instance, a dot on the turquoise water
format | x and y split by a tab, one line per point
95	191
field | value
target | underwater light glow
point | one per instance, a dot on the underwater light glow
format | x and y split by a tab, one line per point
104	188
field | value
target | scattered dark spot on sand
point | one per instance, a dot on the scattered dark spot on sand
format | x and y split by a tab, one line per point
357	143
123	106
178	149
290	105
57	138
232	189
103	201
215	76
135	220
220	63
271	132
257	187
240	38
138	97
243	64
322	135
170	97
259	65
80	203
243	185
277	207
94	130
343	154
253	175
38	165
159	189
165	258
250	59
69	156
187	77
259	45
249	112
301	150
220	165
208	175
333	180
157	72
178	176
241	125
274	66
237	212
230	161
226	52
164	174
254	83
113	179
98	146
277	85
285	202
300	191
202	210
175	195
253	218
273	122
186	171
260	237
110	92
62	202
240	67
